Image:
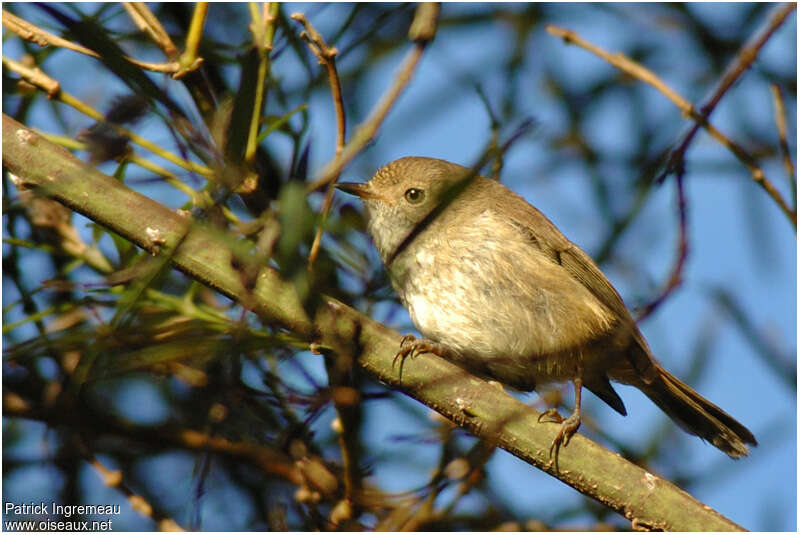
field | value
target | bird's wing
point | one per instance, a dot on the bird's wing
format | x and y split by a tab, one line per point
583	269
544	235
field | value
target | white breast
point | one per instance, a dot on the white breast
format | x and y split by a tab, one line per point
495	295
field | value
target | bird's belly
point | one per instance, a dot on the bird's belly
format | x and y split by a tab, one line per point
510	317
514	349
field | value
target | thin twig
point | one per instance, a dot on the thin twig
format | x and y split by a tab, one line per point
680	257
348	412
780	124
263	35
422	31
36	35
367	130
148	23
638	71
326	55
168	176
741	62
81	106
114	479
53	90
494	124
747	55
34	76
189	60
271	461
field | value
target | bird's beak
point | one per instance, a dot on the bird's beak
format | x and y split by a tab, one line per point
360	190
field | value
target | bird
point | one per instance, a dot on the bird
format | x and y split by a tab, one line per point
492	285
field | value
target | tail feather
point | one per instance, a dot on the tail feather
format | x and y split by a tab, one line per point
698	416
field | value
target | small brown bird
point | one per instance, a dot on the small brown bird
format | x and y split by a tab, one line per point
495	287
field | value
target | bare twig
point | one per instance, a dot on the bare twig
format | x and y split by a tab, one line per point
34	76
638	71
269	460
326	55
189	60
339	369
148	23
114	479
746	56
680	257
53	90
36	35
422	31
366	131
263	35
780	123
494	123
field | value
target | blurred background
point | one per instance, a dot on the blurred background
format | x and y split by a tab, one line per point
100	333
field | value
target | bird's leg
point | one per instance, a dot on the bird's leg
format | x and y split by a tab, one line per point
410	346
569	426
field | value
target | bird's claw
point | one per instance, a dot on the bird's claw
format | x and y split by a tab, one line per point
550	415
410	346
568	428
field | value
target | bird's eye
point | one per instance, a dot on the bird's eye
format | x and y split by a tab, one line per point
414	195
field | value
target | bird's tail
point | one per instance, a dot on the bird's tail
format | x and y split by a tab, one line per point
698	416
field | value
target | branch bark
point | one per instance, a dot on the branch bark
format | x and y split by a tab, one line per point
204	253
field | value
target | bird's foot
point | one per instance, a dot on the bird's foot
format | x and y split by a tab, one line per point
568	428
410	346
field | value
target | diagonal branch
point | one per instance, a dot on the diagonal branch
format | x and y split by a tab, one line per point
676	162
53	89
422	31
205	254
786	154
114	479
34	34
146	21
326	55
746	56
